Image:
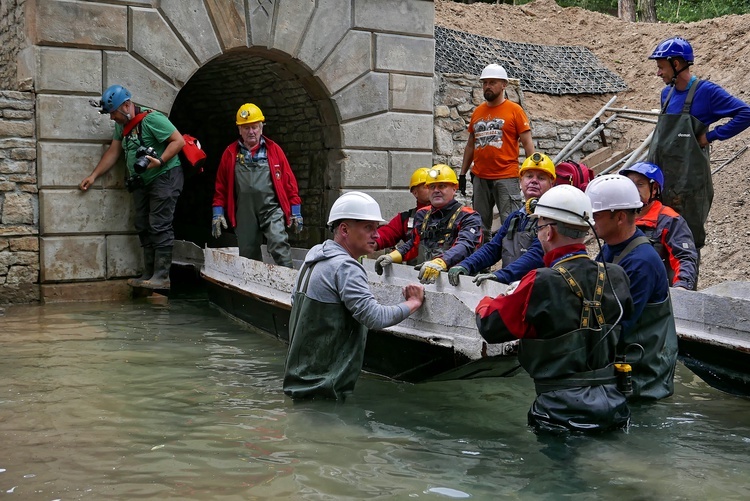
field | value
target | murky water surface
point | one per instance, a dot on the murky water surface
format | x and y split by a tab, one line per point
136	401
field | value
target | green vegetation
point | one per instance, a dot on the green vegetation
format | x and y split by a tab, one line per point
670	11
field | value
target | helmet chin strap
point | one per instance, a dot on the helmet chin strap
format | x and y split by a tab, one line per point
673	64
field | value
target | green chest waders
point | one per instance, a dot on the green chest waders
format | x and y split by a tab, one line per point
258	212
326	347
687	174
651	345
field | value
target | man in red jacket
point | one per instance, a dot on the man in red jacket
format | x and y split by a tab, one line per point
400	227
256	187
668	231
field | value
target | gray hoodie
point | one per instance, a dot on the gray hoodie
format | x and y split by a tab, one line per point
339	278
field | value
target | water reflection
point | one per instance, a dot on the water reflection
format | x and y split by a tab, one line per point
135	401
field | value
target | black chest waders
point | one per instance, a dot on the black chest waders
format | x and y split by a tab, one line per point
326	346
687	173
592	345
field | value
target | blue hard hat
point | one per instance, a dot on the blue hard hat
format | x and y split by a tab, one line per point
113	97
651	171
673	47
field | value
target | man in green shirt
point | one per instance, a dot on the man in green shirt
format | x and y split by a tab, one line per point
151	144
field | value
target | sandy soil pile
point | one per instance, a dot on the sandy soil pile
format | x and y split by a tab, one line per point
722	51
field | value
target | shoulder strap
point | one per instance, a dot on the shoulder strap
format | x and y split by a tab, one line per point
589	305
632	245
690	95
133	122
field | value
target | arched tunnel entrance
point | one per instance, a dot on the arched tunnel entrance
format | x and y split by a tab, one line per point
299	116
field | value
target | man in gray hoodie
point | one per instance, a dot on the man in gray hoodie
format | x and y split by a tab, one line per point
333	307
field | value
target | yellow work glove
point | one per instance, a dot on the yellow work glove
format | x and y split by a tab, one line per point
387	260
430	270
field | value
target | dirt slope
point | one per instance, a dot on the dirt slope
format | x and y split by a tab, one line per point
722	50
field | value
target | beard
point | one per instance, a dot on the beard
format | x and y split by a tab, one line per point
489	95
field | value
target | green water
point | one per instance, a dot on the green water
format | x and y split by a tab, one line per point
137	401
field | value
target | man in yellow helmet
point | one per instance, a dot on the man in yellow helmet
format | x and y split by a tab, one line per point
256	187
400	227
444	233
517	236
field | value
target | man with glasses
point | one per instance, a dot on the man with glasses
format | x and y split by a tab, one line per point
566	316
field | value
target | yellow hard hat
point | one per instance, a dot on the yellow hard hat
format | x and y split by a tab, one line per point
249	113
538	161
419	177
441	173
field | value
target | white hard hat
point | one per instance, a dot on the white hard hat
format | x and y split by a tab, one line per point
613	192
355	205
565	203
494	71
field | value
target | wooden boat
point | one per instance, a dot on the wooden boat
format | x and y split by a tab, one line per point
440	342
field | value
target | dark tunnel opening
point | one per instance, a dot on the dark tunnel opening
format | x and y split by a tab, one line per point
298	116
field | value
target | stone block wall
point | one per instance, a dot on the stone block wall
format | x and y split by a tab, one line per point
12	41
19	206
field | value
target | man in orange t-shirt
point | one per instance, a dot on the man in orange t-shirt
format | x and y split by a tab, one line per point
494	132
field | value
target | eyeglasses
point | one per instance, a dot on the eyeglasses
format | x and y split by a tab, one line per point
541	226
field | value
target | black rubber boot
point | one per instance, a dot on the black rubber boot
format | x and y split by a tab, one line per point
148	268
162	263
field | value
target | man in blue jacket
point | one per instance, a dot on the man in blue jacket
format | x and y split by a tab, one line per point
680	143
517	236
649	337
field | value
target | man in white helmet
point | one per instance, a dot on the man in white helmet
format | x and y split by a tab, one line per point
649	337
333	307
494	132
567	317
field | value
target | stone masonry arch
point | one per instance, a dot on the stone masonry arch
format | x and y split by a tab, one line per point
351	101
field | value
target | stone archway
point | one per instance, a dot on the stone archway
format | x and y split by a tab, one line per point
299	116
362	71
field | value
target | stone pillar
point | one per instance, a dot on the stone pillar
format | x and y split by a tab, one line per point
19	207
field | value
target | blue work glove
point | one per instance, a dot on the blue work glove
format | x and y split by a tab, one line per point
479	279
296	219
218	222
454	272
